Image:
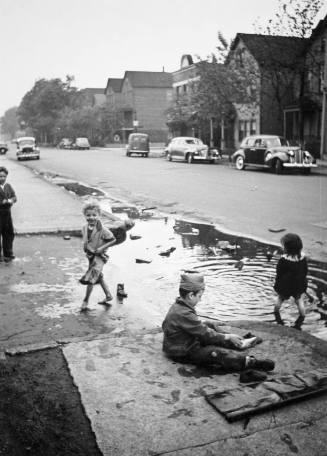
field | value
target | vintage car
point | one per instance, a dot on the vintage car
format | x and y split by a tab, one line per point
3	148
190	150
81	143
273	152
139	144
65	143
26	148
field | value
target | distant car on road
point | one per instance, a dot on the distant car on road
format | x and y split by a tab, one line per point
27	149
139	144
274	152
81	143
3	148
190	149
65	143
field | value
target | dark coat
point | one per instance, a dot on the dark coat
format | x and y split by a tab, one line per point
185	332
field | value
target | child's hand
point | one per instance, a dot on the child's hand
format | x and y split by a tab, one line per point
235	339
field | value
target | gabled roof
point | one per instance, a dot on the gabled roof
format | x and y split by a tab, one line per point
284	50
115	84
149	79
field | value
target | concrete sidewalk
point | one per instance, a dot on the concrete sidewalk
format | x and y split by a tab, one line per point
41	206
140	403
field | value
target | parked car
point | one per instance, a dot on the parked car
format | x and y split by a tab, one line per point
3	148
274	152
190	149
81	143
139	144
65	143
26	148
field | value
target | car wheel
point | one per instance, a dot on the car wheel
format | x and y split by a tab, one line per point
189	158
169	158
212	162
239	163
278	166
146	155
2	151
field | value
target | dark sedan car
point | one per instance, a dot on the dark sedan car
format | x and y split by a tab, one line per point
274	152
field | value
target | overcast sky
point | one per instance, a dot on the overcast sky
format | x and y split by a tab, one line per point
97	39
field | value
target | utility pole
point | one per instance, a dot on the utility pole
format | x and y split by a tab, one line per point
323	144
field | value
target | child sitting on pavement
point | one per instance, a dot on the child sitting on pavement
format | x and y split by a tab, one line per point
189	340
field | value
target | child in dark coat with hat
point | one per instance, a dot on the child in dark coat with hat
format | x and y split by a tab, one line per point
188	339
7	199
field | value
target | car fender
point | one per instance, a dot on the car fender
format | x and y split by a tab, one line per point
280	155
239	152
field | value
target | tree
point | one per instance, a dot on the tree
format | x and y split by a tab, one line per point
40	108
9	122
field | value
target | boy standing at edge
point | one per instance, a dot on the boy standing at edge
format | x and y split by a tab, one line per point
7	199
188	339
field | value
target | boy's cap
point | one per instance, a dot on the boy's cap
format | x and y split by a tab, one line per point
192	282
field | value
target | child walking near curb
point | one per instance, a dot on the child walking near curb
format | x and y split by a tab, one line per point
96	240
291	275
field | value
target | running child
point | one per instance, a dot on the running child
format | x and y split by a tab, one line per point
96	241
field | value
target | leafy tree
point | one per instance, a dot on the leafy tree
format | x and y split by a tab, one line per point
40	108
180	115
9	122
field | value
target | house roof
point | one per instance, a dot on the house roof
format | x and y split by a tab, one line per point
115	84
94	91
149	79
286	50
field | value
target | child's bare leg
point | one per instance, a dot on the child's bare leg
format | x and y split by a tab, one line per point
105	288
300	306
278	304
88	292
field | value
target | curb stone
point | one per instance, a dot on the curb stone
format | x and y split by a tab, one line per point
30	348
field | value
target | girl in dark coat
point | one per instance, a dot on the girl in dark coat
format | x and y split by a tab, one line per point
291	274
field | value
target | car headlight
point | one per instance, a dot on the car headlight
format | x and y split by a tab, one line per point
291	153
306	154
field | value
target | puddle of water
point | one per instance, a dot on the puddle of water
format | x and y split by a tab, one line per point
239	273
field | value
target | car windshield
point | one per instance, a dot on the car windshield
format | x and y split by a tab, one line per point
26	142
276	142
193	141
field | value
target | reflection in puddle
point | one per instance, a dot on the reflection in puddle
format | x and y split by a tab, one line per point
239	273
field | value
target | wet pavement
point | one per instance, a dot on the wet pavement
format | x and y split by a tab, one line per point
239	271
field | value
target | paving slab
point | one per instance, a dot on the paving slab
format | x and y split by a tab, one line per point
141	403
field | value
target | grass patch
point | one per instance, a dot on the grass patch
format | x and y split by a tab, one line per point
40	408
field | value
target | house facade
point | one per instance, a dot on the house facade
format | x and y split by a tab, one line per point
142	99
95	96
273	60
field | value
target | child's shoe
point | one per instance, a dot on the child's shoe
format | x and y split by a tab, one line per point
252	375
259	364
121	293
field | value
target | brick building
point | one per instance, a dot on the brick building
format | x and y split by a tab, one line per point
142	97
